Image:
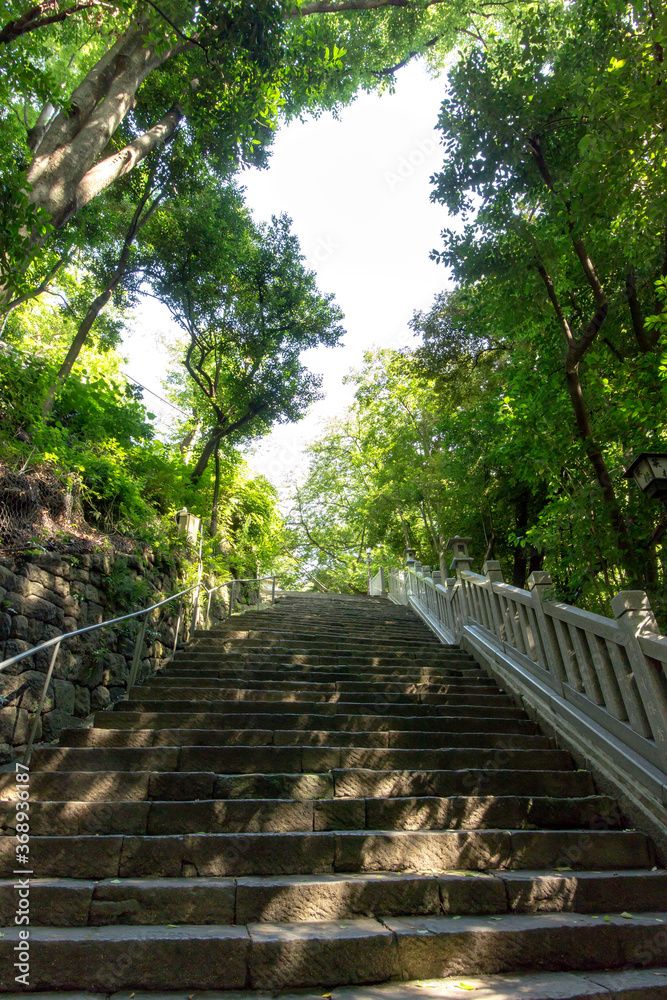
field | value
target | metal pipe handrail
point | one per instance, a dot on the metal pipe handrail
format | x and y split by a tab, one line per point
91	628
57	640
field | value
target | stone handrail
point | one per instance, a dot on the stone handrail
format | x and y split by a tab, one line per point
601	682
377	585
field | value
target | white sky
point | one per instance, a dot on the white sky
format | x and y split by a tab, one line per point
357	190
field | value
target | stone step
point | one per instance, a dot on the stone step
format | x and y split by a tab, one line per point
316	708
268	760
286	682
289	737
311	673
297	898
322	852
123	786
165	689
273	956
203	677
359	659
67	818
271	642
120	718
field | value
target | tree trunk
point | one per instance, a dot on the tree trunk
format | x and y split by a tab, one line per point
39	17
187	443
220	431
599	466
98	303
209	448
520	553
216	492
94	309
64	174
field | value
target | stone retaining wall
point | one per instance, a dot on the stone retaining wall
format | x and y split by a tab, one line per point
47	594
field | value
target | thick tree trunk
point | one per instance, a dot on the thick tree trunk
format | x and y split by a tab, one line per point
64	174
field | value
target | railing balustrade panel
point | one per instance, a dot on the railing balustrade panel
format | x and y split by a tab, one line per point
627	684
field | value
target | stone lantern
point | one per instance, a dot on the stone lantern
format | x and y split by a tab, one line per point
188	524
459	550
649	471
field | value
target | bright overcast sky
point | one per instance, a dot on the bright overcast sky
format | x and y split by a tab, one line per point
357	190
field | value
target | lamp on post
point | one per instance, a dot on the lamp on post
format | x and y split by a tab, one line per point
649	471
368	575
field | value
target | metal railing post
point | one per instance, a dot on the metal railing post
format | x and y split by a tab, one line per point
40	705
136	656
178	626
231	598
273	590
195	612
208	609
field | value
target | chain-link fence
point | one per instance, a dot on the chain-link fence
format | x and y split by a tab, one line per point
41	510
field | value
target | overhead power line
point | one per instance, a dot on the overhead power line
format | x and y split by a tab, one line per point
125	375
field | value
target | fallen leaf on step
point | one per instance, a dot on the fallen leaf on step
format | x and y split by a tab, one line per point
607	918
563	868
172	925
465	986
115	880
456	918
628	916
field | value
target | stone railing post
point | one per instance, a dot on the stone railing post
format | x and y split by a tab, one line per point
493	572
461	561
634	615
538	584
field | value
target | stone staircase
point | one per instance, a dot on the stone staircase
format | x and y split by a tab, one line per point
323	795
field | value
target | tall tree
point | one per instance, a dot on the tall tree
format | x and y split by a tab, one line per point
248	306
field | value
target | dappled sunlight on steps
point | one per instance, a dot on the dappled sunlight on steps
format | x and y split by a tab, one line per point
322	795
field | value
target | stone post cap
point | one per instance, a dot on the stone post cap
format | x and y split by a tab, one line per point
632	609
437	576
426	569
450	581
492	570
459	545
539	578
629	600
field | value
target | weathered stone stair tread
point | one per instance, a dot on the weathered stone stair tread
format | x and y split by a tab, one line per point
199	679
321	708
267	737
341	698
302	853
384	722
253	759
634	984
278	815
295	898
283	955
356	783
